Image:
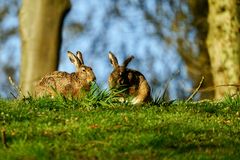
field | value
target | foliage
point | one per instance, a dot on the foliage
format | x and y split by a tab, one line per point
99	127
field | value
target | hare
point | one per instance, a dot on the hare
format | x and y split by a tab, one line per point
134	82
68	84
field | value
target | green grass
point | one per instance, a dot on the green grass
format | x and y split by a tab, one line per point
98	127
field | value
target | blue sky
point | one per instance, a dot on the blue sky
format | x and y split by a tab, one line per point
125	35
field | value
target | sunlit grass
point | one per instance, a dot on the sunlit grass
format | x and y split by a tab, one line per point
100	127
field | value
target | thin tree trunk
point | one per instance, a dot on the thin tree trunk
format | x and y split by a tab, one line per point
224	44
200	66
40	30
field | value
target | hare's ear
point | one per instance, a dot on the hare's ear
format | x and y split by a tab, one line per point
129	59
79	55
113	60
74	59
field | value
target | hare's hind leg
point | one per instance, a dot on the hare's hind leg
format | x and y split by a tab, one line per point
143	93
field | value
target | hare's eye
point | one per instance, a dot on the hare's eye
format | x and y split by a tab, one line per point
83	69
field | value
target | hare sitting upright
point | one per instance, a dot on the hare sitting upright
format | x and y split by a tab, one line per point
68	84
132	81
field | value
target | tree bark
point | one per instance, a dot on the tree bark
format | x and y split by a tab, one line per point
223	43
40	30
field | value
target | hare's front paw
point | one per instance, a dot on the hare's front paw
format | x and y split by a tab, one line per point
121	99
135	101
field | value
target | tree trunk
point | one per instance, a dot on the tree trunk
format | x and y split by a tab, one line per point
40	29
224	44
200	66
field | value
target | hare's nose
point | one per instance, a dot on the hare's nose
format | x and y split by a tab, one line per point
93	78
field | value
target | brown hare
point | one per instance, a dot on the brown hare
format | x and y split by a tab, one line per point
68	84
134	82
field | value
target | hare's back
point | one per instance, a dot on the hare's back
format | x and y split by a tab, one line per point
57	81
137	82
135	76
55	78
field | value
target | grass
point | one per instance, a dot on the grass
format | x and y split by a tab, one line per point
99	127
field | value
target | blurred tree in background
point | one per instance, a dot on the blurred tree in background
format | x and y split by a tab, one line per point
40	29
198	62
165	37
223	43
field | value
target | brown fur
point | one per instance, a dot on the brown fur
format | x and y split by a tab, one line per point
133	81
68	84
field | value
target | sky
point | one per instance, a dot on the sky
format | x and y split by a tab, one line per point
127	35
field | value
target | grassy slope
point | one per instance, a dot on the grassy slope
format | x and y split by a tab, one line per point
99	128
